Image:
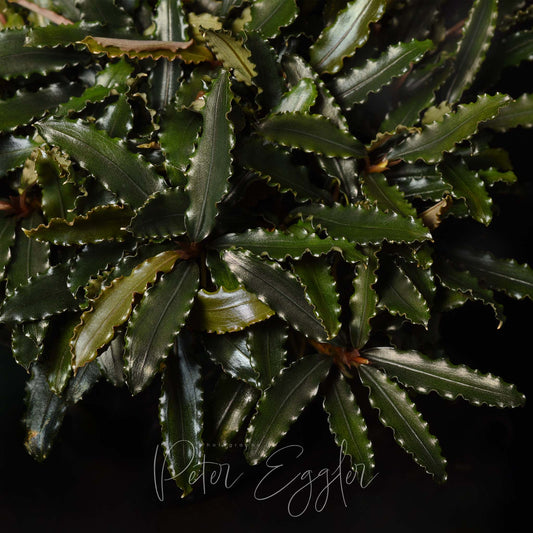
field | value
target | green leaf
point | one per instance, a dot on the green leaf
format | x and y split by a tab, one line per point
211	163
232	353
180	415
477	33
363	303
349	31
227	310
419	180
104	10
311	133
293	243
111	361
19	60
26	348
82	382
54	297
107	222
232	53
44	415
113	307
499	274
349	428
468	185
26	106
518	113
314	273
401	297
441	137
52	36
389	198
8	226
162	216
354	86
115	75
398	412
281	404
117	119
418	371
363	225
156	321
266	343
299	99
14	151
121	171
268	16
343	170
515	48
279	289
231	403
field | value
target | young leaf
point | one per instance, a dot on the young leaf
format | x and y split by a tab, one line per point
180	415
354	86
227	310
268	16
441	137
113	307
311	133
349	428
281	404
398	412
349	32
130	178
279	289
211	163
299	99
418	371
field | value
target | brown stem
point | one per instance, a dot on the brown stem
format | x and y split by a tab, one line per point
46	13
455	28
3	19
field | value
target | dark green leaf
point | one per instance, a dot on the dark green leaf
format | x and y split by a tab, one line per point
517	113
7	239
418	371
281	404
419	180
104	10
117	119
111	361
299	99
268	16
14	151
83	381
389	198
25	347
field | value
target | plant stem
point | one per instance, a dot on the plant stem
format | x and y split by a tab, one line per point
46	13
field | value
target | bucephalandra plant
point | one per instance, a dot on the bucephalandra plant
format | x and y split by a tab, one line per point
246	198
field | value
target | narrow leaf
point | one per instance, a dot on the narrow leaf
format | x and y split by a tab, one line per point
517	113
299	99
8	226
111	361
389	198
14	151
268	16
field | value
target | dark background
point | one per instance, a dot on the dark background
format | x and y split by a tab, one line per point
99	476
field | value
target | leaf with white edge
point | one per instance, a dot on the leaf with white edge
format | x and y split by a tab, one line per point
104	10
211	163
52	36
113	307
413	369
519	113
422	278
299	99
400	295
82	382
44	415
54	297
277	166
111	361
8	226
14	151
156	321
279	289
282	403
121	171
232	353
363	302
228	310
399	413
419	180
268	16
349	428
28	257
25	348
363	225
467	184
181	409
107	222
311	133
26	106
440	137
294	242
115	75
354	86
19	60
231	404
499	274
233	54
221	275
389	198
477	34
266	343
349	31
515	48
75	104
315	274
162	216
